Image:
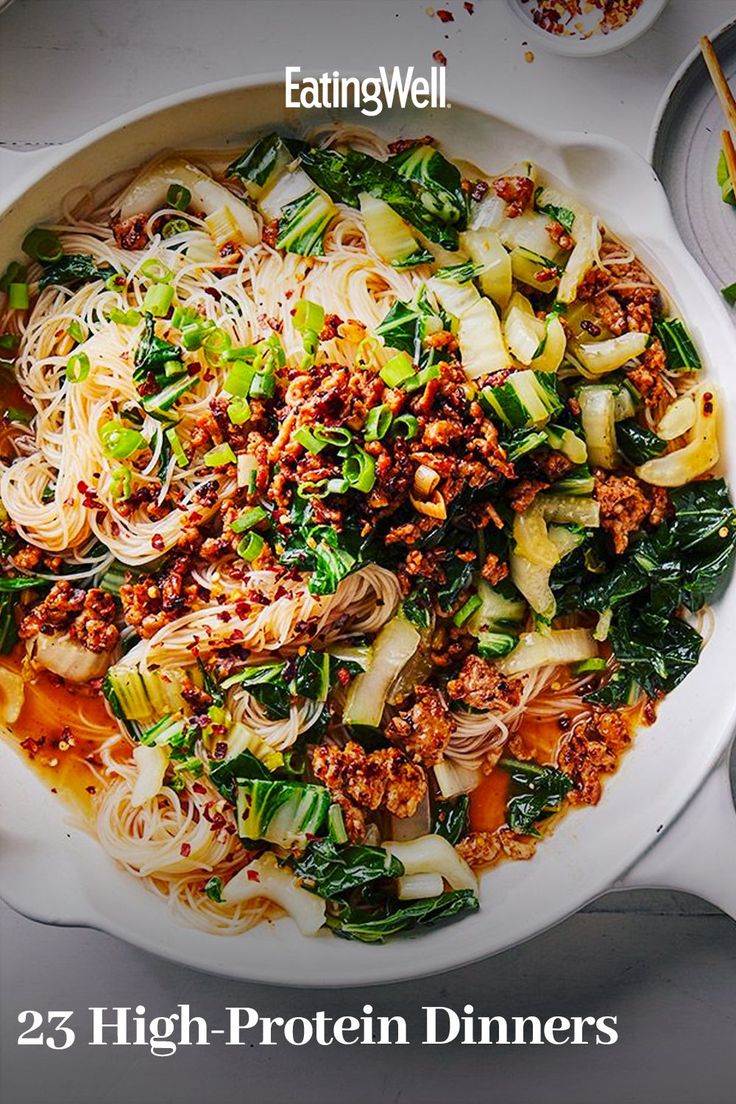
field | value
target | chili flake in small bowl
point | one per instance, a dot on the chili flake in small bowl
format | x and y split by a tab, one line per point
584	28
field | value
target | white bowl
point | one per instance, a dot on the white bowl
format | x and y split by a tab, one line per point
572	46
52	870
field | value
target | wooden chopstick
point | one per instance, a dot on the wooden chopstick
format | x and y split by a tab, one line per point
729	152
723	91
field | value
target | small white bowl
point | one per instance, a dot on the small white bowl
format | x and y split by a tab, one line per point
572	46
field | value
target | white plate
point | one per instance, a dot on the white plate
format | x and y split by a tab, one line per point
55	872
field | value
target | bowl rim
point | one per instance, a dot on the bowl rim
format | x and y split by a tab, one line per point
386	970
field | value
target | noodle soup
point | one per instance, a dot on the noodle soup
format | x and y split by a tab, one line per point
357	508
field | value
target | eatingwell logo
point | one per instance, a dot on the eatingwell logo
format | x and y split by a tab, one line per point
370	95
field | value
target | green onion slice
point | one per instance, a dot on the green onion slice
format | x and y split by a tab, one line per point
396	370
318	437
77	368
124	317
406	425
238	410
43	245
77	330
239	378
115	282
156	270
122	479
251	546
177	448
248	519
359	469
215	344
378	423
178	196
174	227
308	317
158	299
18	296
220	455
120	441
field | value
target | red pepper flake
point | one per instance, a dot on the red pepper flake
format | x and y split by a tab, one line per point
220	751
185	850
439	57
199	788
157	542
445	16
216	295
470	8
479	190
91	790
253	876
32	746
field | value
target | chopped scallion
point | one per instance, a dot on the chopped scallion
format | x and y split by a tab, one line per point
308	317
248	519
77	368
250	547
215	344
421	379
220	455
359	469
315	438
396	370
239	378
124	317
729	293
263	385
77	330
116	282
119	441
406	425
586	666
378	423
122	479
156	270
42	245
8	341
158	299
174	227
178	196
177	448
14	273
238	410
18	296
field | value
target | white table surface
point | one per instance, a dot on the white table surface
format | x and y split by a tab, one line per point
664	963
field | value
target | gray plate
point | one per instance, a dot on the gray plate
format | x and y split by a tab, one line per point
685	154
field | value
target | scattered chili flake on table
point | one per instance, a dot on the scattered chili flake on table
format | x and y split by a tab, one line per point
439	57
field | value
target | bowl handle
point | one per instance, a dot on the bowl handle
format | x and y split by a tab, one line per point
697	853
